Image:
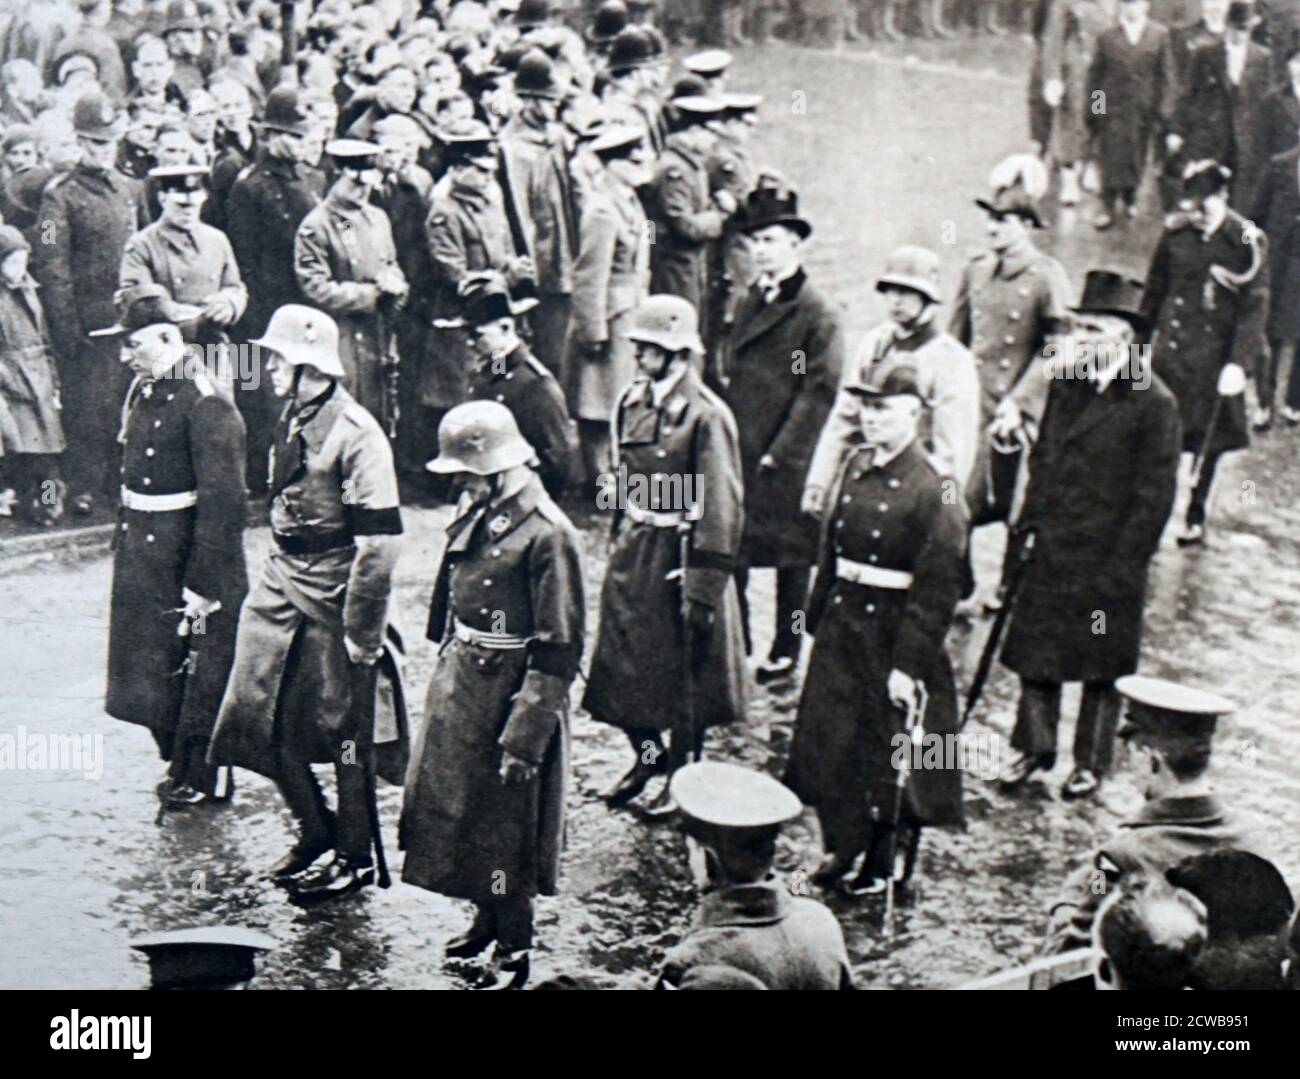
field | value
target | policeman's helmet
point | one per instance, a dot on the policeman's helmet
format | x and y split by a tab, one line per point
304	336
480	437
667	321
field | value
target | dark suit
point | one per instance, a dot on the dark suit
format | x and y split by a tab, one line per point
1277	212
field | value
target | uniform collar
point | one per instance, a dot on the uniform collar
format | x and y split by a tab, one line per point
877	459
1196	809
504	517
743	905
179	237
1014	260
920	333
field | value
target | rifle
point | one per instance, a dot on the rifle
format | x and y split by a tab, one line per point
914	728
364	680
1008	596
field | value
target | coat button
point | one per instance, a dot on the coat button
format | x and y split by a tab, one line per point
857	475
1173	322
871	608
149	538
884	506
146	481
1013	315
482	662
836	599
487	582
1009	340
847	499
149	452
157	423
893	481
501	397
873	558
482	610
124	526
1178	301
875	533
496	552
1004	363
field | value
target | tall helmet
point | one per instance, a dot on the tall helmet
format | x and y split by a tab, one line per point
480	437
667	321
912	267
304	335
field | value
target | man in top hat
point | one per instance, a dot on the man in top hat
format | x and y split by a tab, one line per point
468	234
780	367
888	577
315	622
1171	727
268	201
538	192
1206	306
669	658
91	212
506	371
946	372
178	564
687	214
1218	114
1078	610
1130	72
346	264
748	925
483	817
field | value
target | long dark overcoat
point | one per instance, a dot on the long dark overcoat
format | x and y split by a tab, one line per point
1277	212
782	369
1102	480
180	436
1131	80
1200	325
893	517
465	832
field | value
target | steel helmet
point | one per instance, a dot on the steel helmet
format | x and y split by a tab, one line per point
480	437
304	335
667	321
912	267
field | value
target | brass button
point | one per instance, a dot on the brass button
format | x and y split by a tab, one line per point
1009	339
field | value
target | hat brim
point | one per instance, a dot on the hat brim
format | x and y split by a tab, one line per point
301	130
693	345
800	226
1131	317
911	285
873	392
1025	213
544	95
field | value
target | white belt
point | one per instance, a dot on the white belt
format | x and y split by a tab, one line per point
861	573
657	518
501	642
181	500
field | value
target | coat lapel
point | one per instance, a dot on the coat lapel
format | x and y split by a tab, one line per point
765	318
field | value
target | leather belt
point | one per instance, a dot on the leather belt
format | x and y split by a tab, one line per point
181	500
313	543
861	573
497	642
655	518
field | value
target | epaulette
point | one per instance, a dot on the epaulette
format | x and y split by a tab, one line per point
552	514
538	368
244	173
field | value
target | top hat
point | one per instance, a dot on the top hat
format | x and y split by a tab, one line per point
1241	15
1108	293
768	206
203	957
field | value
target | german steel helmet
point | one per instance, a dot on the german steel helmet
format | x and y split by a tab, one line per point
304	335
480	437
667	321
912	267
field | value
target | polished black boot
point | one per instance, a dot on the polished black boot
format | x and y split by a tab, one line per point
476	939
302	855
634	781
505	970
340	877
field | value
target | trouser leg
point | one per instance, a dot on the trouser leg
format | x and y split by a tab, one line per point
791	595
647	744
742	594
845	827
302	794
189	766
1094	734
1201	489
1037	716
1286	363
594	438
354	825
550	321
1267	365
514	922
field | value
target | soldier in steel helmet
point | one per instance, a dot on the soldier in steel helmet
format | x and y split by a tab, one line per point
319	610
483	817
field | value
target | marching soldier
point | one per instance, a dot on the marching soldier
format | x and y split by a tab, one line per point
748	924
687	214
781	368
1077	614
483	816
1172	727
268	201
178	564
1009	303
91	214
1206	304
669	615
888	579
347	266
314	624
506	371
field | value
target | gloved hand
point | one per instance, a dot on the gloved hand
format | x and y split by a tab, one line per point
901	687
1232	380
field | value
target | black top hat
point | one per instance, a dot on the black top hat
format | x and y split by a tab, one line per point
631	48
485	298
1106	292
535	76
767	206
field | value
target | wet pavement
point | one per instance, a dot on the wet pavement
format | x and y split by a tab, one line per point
887	150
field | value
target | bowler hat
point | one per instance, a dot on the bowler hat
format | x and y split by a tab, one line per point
532	12
768	206
1106	292
535	76
689	86
202	957
1241	15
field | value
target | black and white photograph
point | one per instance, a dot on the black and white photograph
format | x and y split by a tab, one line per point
651	495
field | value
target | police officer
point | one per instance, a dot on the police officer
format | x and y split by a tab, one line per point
347	266
669	611
748	924
506	371
1171	726
483	817
1009	303
320	608
888	578
178	564
268	201
687	215
91	214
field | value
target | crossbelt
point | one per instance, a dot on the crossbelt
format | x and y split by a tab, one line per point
499	642
656	518
861	573
181	500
